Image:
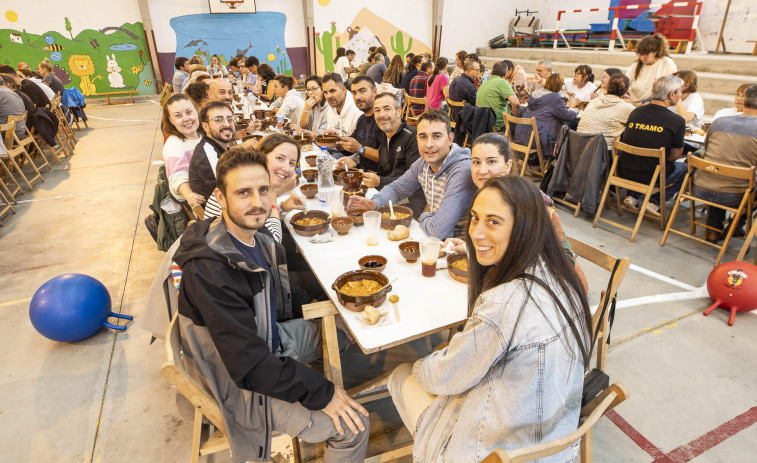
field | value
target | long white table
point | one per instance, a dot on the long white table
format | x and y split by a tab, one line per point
427	305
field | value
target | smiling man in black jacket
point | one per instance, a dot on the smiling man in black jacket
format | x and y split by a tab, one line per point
233	303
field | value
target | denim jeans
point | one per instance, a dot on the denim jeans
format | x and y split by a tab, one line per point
716	215
673	183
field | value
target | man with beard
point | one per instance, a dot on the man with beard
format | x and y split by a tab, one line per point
344	114
237	332
361	146
443	174
217	122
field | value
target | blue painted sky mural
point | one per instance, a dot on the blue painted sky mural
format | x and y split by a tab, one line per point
227	35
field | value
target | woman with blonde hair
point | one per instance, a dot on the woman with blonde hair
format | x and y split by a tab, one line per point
653	62
691	104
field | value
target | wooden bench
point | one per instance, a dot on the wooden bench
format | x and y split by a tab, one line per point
123	92
754	52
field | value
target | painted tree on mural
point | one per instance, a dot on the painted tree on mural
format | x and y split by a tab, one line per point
81	60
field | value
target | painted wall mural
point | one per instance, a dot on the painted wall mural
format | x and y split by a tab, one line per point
109	59
227	35
365	31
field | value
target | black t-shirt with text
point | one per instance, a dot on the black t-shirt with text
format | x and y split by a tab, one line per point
650	126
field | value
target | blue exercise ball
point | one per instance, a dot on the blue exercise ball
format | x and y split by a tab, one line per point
71	307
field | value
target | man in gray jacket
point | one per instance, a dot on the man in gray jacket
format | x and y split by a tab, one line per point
443	173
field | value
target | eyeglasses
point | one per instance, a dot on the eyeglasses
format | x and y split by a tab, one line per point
219	119
312	89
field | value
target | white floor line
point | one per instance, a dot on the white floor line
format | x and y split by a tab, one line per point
660	277
697	293
153	101
78	194
119	120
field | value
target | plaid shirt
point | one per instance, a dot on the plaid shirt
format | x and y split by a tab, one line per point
418	90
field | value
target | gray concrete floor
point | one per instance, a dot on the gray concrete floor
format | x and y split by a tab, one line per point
103	399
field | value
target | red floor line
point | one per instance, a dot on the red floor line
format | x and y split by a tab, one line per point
636	436
712	438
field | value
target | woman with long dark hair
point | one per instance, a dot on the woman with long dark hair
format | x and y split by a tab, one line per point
607	74
518	364
265	76
652	62
314	118
582	86
437	81
394	72
180	123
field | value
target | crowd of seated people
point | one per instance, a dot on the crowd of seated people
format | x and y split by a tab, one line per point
467	196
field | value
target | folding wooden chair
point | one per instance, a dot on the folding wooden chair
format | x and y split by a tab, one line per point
28	143
6	206
9	159
409	114
617	268
590	414
63	146
657	184
450	104
64	128
206	407
687	194
533	146
748	242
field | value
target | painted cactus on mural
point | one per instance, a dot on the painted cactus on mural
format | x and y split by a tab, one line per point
397	44
326	47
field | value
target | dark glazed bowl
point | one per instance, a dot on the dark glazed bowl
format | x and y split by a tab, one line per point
358	303
389	224
310	174
356	215
347	194
351	180
309	190
310	230
410	250
310	159
338	176
375	263
342	225
456	274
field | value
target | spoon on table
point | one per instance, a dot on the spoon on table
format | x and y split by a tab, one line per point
394	300
392	216
381	288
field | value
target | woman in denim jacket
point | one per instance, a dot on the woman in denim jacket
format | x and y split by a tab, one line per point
514	376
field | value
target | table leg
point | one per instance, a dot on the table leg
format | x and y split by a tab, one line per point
332	362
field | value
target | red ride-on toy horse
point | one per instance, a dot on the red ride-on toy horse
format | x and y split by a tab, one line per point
733	286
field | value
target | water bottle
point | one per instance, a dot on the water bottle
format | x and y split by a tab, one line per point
324	163
280	120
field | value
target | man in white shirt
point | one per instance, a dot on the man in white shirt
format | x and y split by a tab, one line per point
344	114
344	66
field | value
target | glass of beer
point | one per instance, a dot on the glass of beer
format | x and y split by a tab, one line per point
430	247
372	222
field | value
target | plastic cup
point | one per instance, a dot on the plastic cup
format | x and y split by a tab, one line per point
336	202
372	222
430	248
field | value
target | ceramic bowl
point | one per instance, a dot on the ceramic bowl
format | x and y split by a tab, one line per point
310	174
346	195
375	263
358	303
457	274
389	224
410	250
342	225
310	230
338	176
309	190
356	215
311	160
351	180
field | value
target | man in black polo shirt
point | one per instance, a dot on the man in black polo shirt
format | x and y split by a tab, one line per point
361	146
398	149
217	121
654	126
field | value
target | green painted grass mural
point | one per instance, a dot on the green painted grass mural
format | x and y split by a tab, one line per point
94	61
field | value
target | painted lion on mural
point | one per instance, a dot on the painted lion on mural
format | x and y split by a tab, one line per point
83	67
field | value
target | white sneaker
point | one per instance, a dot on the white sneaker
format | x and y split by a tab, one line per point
653	209
631	202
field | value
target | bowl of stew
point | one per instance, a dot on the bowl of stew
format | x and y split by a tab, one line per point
310	224
359	288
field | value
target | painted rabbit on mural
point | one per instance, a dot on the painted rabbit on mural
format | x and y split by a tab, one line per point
114	70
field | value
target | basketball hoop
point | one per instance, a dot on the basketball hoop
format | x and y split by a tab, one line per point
232	4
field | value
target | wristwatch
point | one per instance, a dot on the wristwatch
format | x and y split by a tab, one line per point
361	150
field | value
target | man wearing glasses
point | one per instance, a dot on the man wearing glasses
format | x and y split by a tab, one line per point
543	71
217	122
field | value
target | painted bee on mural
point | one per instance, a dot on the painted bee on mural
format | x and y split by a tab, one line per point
53	48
